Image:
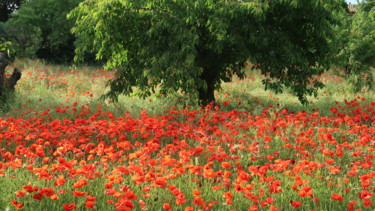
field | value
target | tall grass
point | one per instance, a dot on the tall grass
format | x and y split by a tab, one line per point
53	86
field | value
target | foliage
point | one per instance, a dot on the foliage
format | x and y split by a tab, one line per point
192	46
358	53
7	7
6	46
42	25
27	39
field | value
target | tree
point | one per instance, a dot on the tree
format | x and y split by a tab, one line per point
42	25
7	7
7	84
193	46
26	38
357	54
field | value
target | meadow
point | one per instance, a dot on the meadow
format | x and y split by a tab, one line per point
63	148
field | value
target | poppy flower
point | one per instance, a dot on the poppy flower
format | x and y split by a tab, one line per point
68	207
295	204
196	192
166	206
17	205
337	197
78	193
226	165
80	183
20	193
90	204
305	191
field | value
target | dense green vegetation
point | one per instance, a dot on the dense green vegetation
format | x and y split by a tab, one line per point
40	29
356	45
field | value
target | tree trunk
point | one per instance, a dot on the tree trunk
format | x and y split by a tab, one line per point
7	84
12	80
207	96
3	64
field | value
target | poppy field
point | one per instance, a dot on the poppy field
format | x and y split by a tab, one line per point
62	149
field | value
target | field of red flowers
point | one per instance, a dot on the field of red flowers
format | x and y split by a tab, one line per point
73	157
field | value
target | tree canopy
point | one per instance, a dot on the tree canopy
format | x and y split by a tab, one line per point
41	27
356	46
7	7
192	46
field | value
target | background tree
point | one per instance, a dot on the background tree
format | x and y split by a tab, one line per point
7	7
193	46
357	51
42	25
26	39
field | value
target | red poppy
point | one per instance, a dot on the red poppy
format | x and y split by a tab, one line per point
166	206
90	204
20	193
80	183
68	207
226	165
17	205
78	193
296	204
337	197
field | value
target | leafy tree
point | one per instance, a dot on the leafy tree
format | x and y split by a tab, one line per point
6	47
193	46
357	55
44	19
26	39
7	7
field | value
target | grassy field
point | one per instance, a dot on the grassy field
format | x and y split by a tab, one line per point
61	147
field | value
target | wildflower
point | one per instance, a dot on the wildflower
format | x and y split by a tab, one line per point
333	110
337	197
330	161
305	191
90	204
78	193
38	196
130	195
80	183
68	207
17	205
189	208
196	192
226	165
166	206
253	208
296	204
367	202
90	198
47	192
30	189
160	182
351	205
20	193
